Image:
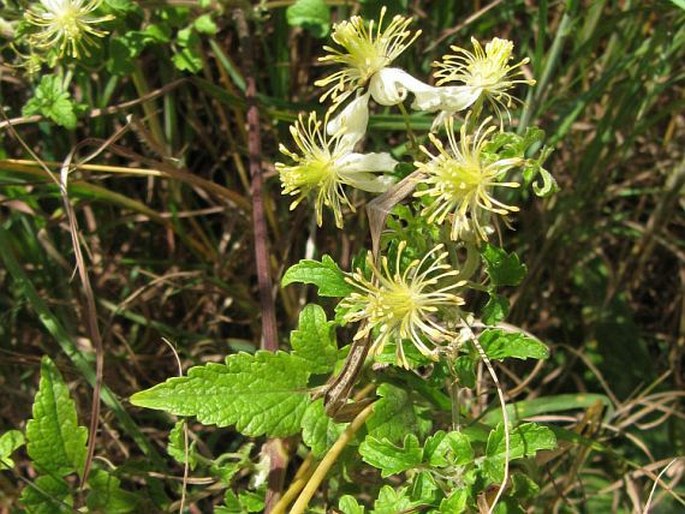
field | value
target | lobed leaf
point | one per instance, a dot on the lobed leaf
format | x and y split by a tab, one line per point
448	449
9	441
107	496
391	459
349	505
319	431
314	340
525	440
393	414
504	269
54	440
53	101
391	501
47	495
176	447
325	275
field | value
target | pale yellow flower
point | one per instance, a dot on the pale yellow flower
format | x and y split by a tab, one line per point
366	50
396	306
485	73
461	180
67	25
325	163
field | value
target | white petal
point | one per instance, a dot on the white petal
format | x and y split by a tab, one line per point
458	98
352	162
351	121
427	100
357	170
370	183
390	86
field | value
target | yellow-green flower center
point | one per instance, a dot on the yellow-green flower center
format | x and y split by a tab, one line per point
69	20
460	178
397	301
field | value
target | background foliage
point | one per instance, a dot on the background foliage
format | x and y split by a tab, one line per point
165	220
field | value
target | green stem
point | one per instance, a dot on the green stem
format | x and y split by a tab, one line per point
328	461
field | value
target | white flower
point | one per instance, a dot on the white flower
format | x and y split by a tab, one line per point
67	25
365	52
485	74
396	305
326	161
460	180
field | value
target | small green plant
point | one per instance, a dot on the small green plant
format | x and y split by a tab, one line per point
417	315
56	445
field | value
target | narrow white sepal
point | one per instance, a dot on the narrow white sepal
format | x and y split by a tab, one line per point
351	121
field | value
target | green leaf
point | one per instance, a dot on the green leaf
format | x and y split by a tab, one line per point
55	441
251	501
314	340
312	15
464	367
47	495
456	502
52	101
176	446
188	59
106	495
534	169
121	5
264	393
204	24
679	3
393	414
231	504
9	441
391	459
495	310
326	275
448	449
390	501
499	345
548	405
424	489
319	431
525	440
504	269
523	487
348	505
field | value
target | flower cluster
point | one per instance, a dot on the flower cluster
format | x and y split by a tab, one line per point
457	183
